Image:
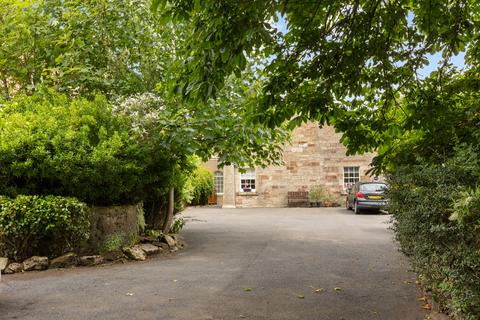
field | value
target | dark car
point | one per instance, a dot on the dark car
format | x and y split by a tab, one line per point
367	195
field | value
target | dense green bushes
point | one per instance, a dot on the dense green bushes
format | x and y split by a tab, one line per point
34	225
199	187
437	222
50	145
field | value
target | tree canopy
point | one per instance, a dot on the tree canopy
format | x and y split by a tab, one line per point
121	50
112	47
352	64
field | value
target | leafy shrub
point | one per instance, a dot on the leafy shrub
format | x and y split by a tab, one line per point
317	194
201	186
49	225
116	241
466	209
50	145
112	243
177	225
436	214
154	233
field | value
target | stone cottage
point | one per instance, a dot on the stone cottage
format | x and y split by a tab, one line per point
315	157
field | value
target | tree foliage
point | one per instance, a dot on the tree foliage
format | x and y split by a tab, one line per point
346	63
81	47
121	50
50	144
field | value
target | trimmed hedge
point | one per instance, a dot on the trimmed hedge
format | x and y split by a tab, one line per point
436	210
42	225
53	145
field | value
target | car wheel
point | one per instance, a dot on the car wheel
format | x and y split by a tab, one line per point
356	209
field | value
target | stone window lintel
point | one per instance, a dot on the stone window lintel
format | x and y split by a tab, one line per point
247	194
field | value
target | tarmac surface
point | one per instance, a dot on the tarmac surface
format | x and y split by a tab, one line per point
295	263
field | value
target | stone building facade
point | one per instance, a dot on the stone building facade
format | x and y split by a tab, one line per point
315	157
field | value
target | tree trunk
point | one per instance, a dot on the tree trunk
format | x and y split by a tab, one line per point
5	88
169	218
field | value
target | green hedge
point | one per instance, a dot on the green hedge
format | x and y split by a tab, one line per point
436	211
52	145
199	186
47	226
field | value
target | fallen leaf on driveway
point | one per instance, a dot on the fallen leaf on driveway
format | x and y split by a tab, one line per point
317	290
337	289
174	280
129	294
300	296
248	289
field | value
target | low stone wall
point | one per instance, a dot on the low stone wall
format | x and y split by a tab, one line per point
114	227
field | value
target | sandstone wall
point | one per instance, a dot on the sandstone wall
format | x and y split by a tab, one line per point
314	157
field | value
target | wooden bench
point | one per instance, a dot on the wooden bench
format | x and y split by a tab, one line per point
298	199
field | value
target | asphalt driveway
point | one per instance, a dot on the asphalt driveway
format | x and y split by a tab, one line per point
308	264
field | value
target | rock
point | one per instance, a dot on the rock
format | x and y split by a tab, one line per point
7	271
3	263
135	253
35	263
149	248
90	260
180	243
147	239
114	255
174	249
169	240
14	267
161	245
67	260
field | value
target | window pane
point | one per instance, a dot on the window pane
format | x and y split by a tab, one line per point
219	181
351	175
247	180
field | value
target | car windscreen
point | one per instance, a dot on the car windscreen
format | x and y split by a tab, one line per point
373	187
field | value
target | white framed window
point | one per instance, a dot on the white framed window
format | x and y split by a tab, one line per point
351	175
218	181
247	180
